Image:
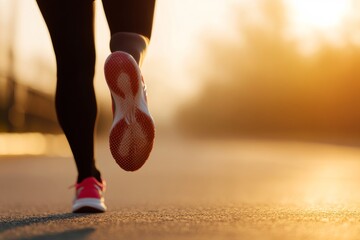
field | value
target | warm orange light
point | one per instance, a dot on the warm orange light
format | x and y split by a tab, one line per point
319	14
14	144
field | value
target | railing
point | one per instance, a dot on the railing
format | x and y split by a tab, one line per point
25	109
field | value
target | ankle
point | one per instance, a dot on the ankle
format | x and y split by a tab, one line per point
132	43
96	174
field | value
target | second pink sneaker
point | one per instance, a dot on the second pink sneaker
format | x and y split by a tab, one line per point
132	132
89	196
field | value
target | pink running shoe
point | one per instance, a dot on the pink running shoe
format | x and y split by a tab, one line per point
132	132
89	196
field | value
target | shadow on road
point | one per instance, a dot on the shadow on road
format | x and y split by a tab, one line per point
78	234
8	224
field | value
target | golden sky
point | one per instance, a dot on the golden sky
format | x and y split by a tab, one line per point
180	28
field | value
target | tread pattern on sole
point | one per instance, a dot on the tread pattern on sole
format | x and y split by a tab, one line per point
132	133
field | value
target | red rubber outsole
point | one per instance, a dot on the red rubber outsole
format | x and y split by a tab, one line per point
130	141
130	145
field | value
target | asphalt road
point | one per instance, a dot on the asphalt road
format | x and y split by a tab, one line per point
192	190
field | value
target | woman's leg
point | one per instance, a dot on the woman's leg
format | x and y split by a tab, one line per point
130	23
70	23
132	132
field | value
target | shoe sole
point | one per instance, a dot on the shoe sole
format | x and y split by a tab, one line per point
132	133
89	205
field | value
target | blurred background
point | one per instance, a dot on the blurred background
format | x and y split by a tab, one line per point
282	69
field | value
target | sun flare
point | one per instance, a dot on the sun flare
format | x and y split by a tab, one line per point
319	14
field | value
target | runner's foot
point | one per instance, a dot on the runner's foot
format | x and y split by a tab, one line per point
89	196
132	132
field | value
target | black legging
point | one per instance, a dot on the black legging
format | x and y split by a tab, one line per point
70	23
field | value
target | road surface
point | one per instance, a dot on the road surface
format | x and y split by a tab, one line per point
243	189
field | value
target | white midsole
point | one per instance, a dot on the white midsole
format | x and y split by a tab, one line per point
125	107
89	202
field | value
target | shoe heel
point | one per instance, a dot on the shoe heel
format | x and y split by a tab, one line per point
120	70
130	145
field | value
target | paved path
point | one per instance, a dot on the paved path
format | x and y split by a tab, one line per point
192	190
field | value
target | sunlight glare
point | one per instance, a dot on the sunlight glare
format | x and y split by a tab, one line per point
319	14
33	143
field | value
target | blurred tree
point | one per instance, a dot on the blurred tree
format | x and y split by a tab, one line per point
10	78
23	108
263	86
